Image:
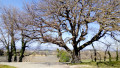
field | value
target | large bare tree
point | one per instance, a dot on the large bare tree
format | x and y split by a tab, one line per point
51	20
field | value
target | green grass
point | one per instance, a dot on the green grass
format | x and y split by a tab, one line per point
6	66
112	64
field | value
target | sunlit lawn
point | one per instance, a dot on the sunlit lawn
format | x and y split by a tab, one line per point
112	64
6	66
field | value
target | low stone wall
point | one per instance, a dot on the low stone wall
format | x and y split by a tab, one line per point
41	58
3	58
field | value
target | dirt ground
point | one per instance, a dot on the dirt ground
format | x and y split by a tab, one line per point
50	61
43	65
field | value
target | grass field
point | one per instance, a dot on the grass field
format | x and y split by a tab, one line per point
112	64
6	66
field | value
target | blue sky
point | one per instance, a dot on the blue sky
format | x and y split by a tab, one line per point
16	3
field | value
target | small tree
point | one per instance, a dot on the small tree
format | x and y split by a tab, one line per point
116	49
95	53
107	50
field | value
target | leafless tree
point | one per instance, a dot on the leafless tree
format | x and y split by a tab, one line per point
116	48
21	27
107	51
5	40
8	20
117	52
50	20
95	53
13	22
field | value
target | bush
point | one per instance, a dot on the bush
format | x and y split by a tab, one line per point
63	56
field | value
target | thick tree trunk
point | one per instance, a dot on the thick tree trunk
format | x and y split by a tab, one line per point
75	56
14	49
9	54
9	57
15	54
22	49
22	52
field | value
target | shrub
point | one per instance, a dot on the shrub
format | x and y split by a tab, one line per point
63	56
